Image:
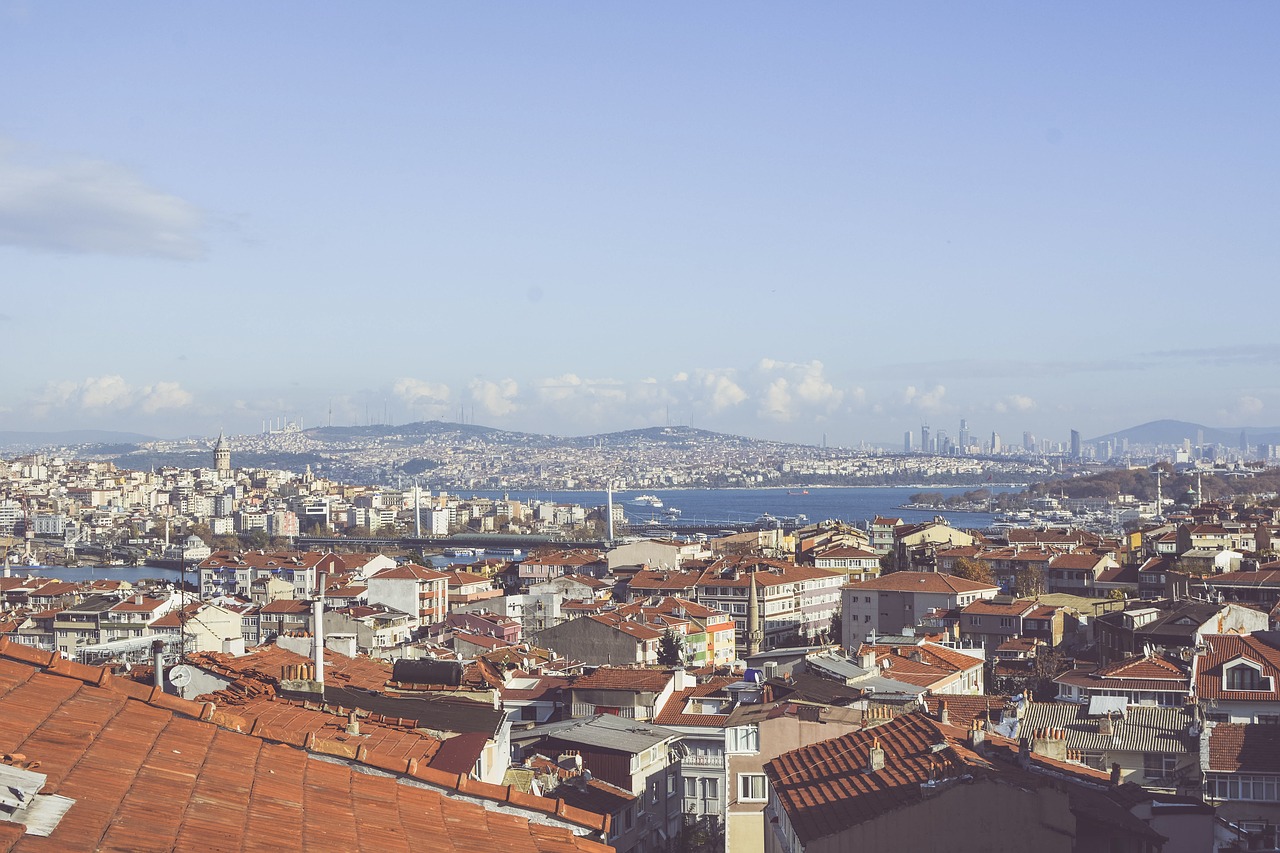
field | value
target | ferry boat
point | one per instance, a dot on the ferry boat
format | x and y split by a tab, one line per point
648	500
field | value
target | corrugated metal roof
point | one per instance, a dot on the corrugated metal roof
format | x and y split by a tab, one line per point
1142	729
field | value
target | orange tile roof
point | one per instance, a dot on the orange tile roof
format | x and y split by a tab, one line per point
673	712
1244	747
410	571
148	770
1224	648
927	582
624	678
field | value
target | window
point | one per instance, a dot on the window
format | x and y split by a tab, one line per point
866	618
1269	719
1006	621
866	599
671	784
690	787
1242	786
743	739
710	789
1157	766
751	788
1244	677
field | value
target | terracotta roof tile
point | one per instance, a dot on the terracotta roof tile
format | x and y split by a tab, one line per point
149	775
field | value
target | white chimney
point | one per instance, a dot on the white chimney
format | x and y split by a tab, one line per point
317	629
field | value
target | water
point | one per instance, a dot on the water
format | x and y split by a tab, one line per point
132	574
703	507
709	507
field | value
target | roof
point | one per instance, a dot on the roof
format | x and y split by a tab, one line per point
827	787
926	582
1243	748
261	560
149	771
605	731
624	678
1222	649
992	607
962	709
409	571
676	713
1143	728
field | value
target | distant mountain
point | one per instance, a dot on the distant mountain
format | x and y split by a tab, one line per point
1174	432
67	438
442	429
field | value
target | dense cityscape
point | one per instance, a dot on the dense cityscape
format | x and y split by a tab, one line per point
673	687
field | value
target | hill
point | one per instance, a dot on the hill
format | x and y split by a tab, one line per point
1175	432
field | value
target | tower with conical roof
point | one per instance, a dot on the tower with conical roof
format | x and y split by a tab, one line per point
222	456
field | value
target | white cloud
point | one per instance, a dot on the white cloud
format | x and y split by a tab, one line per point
1015	403
1245	407
423	399
791	390
495	398
90	206
924	401
163	395
713	391
110	393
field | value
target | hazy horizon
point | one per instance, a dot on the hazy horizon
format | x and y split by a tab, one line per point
773	221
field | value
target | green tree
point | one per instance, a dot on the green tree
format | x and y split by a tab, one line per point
670	648
973	570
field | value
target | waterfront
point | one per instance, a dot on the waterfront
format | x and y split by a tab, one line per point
708	507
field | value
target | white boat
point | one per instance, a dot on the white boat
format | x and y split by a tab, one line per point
648	500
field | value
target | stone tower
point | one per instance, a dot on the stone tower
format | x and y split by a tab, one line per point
222	457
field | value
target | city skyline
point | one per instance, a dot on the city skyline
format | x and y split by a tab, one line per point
839	221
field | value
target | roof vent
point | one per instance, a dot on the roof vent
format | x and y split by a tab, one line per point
22	803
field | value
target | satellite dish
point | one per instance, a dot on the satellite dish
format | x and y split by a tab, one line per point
180	676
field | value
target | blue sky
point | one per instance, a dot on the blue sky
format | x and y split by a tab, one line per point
781	220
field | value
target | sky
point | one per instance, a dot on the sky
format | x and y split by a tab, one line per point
788	221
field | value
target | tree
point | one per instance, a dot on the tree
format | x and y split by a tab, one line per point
973	570
1029	582
670	648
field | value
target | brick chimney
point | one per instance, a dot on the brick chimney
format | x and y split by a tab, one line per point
977	734
943	716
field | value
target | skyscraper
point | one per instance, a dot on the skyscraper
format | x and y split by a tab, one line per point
906	441
964	436
924	438
1075	444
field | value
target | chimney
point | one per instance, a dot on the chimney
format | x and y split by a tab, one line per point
317	630
1104	725
1051	743
977	734
157	657
875	757
943	716
1115	774
867	660
353	726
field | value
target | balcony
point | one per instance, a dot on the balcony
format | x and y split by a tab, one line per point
712	761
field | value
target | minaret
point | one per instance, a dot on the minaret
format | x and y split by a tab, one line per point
755	636
222	456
